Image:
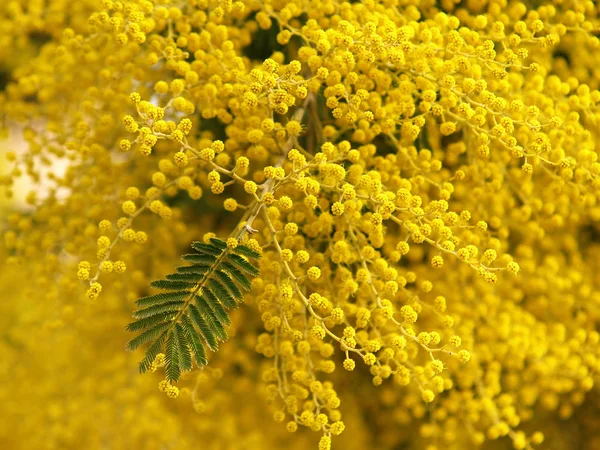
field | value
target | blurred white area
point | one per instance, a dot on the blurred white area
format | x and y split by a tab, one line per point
23	185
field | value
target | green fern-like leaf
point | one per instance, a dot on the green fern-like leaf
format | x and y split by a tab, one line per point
152	351
209	249
190	277
193	312
147	322
159	299
196	269
172	368
194	340
172	285
243	265
210	306
246	251
148	335
167	307
185	358
199	259
206	331
237	275
226	280
222	294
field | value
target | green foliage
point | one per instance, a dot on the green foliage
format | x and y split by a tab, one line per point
193	312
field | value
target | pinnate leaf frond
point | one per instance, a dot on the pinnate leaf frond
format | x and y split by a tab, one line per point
193	311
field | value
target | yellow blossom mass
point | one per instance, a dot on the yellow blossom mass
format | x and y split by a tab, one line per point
313	224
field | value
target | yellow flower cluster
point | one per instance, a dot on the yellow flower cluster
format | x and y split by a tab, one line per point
421	179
